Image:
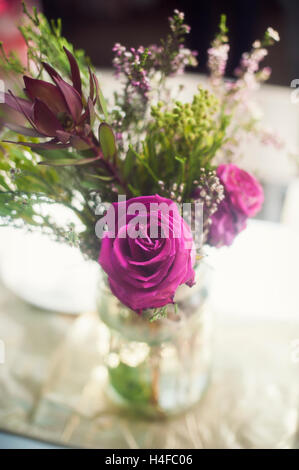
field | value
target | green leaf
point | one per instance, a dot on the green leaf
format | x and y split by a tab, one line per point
135	192
147	167
54	154
102	177
222	26
107	141
182	162
3	183
129	163
100	96
69	162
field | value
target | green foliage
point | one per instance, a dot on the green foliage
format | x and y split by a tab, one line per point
107	141
159	313
25	185
186	125
180	140
222	37
10	63
45	43
102	103
65	176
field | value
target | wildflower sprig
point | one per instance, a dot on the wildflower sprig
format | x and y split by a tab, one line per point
139	67
218	54
172	57
235	95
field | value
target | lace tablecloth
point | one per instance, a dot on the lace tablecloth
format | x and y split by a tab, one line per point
52	385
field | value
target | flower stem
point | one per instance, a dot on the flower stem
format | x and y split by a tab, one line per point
108	166
155	381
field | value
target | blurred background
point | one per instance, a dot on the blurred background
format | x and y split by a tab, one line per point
95	25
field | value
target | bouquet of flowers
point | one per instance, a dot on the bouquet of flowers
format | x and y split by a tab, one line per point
148	179
146	154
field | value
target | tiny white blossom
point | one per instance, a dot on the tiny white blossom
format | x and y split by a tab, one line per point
273	34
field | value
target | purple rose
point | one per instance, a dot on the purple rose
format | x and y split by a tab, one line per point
245	192
243	198
145	271
226	224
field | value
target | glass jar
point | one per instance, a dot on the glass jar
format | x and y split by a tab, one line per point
161	367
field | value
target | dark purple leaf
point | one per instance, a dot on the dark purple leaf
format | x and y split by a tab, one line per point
46	92
22	130
91	86
75	72
18	104
52	72
45	121
24	109
91	111
79	144
63	136
87	129
72	98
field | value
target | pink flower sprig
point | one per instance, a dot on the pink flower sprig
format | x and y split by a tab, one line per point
248	72
218	54
138	67
177	25
134	65
171	57
236	95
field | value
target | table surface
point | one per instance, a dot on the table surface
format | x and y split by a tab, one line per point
52	382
